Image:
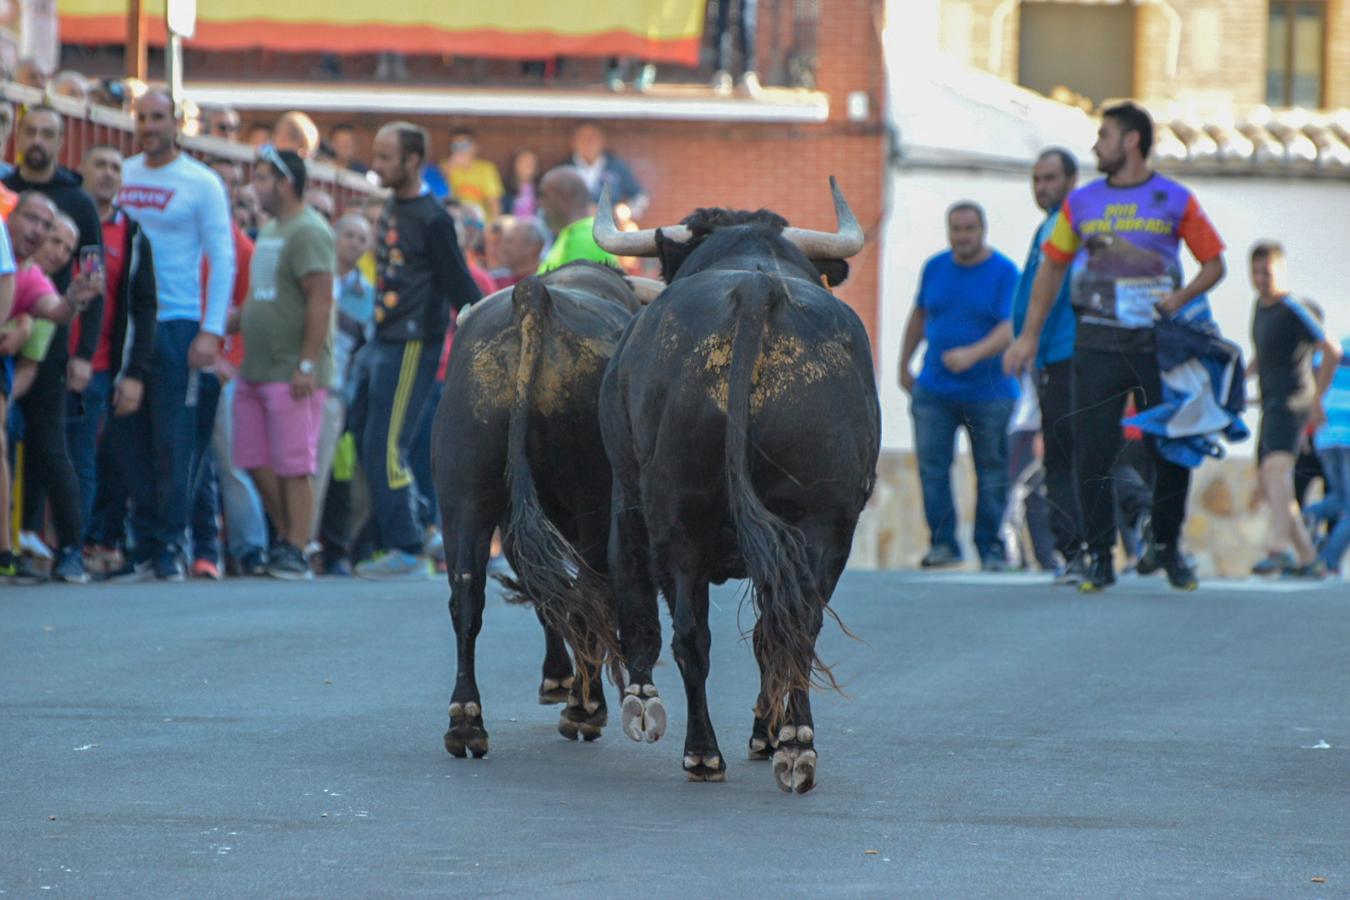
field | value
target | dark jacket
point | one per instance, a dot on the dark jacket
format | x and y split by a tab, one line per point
65	188
133	338
420	271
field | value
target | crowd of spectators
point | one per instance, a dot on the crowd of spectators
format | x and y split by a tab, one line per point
212	368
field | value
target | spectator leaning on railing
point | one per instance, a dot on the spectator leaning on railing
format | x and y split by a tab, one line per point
181	206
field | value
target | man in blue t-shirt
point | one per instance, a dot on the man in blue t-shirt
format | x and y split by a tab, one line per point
963	313
1052	178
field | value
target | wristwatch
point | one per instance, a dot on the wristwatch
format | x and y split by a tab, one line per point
306	367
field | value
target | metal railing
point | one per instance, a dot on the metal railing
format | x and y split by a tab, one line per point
88	125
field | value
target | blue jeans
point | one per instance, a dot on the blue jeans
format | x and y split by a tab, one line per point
202	480
1336	507
384	417
428	510
936	420
84	417
156	446
245	527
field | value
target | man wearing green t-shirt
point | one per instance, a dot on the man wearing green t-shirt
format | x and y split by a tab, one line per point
566	205
288	356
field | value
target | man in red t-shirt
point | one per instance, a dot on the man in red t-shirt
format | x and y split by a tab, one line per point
119	368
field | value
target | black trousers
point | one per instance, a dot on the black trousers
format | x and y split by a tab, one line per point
1103	379
1055	388
49	474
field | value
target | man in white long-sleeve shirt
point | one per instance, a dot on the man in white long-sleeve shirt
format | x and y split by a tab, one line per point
181	206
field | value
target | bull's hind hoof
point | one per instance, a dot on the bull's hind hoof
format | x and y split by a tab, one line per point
705	768
759	748
467	734
553	690
644	715
586	721
794	762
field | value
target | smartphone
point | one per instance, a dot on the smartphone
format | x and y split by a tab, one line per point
91	260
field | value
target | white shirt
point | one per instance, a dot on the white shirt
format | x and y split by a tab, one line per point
183	210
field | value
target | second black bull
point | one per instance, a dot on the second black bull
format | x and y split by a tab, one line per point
517	445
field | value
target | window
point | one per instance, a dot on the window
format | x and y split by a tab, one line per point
1086	47
1296	49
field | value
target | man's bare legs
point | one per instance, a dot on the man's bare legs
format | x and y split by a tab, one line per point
1286	526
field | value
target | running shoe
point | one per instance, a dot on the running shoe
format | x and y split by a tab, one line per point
205	568
395	565
1275	563
1100	575
69	566
288	563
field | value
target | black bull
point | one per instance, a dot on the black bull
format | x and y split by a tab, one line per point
747	367
517	444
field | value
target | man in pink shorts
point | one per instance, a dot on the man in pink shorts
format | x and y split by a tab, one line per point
288	356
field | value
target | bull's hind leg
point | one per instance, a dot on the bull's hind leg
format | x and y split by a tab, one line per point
468	581
644	715
794	757
692	642
586	712
557	677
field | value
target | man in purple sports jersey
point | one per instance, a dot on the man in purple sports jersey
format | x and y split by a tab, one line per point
1118	239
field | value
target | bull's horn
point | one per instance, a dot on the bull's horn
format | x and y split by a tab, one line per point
843	243
646	289
628	243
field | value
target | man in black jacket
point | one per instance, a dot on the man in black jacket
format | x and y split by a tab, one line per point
121	357
38	141
421	275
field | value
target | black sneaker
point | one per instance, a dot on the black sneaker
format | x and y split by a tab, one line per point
1180	575
1099	576
1275	563
995	564
253	564
940	556
1150	560
132	572
1313	571
69	567
26	571
169	565
289	564
1074	571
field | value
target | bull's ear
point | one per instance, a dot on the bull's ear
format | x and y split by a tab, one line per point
834	271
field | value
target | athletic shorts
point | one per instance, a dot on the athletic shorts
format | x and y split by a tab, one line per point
1281	430
273	430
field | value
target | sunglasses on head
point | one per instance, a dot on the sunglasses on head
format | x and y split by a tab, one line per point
268	153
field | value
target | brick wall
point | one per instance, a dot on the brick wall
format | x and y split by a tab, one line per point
685	165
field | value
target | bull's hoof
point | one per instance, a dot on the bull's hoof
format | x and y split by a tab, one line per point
585	721
794	762
467	734
705	768
644	715
761	744
553	690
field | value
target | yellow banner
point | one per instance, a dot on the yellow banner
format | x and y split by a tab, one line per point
656	30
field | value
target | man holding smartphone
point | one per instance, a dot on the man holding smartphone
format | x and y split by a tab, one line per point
38	141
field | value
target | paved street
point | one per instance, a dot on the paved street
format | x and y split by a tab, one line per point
999	738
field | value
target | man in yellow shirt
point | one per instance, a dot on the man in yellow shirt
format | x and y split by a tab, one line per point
472	180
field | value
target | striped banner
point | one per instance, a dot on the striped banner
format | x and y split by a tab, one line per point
653	30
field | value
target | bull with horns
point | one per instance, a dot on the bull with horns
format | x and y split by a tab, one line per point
746	367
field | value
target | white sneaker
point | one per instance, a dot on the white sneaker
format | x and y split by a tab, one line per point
33	545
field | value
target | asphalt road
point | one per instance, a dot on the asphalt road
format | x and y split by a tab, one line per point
999	738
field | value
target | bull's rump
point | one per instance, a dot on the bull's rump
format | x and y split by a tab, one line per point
814	421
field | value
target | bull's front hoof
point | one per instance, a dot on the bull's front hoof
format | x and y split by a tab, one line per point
705	768
467	734
761	744
794	762
585	721
554	690
644	715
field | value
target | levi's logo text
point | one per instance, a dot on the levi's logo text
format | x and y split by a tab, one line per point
135	196
1120	218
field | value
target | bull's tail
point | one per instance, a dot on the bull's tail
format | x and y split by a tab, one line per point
787	602
570	596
